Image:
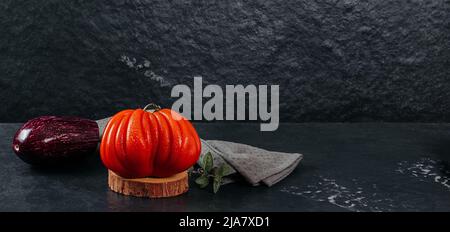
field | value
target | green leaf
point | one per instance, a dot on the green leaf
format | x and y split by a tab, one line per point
217	179
224	170
208	162
201	162
213	171
202	181
216	184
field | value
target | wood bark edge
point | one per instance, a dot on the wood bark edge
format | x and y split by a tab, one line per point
149	187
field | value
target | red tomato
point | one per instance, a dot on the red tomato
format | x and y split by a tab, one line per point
138	143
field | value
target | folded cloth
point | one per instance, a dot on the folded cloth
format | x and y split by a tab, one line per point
102	124
256	165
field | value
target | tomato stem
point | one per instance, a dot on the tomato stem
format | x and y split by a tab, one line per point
152	106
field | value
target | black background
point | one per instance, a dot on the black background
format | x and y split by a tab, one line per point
170	221
334	60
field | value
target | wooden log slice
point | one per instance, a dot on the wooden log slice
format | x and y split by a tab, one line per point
149	187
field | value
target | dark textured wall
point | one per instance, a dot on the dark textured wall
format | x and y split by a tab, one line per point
334	60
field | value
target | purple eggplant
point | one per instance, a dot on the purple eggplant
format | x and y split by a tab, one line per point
50	140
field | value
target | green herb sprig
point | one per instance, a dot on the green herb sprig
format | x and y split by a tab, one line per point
207	171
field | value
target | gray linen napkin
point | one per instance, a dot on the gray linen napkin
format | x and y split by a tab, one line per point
256	165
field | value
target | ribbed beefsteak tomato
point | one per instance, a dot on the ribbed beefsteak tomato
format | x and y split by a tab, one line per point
138	143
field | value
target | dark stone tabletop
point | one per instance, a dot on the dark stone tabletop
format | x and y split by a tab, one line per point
346	167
